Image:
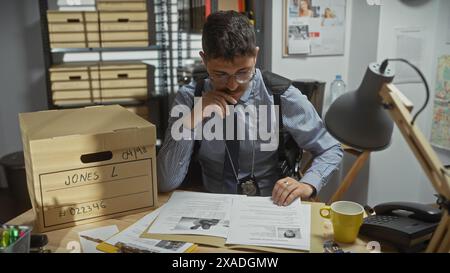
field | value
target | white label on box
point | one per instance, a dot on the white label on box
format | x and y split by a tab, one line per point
85	193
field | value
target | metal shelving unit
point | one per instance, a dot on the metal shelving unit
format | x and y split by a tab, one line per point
185	38
157	99
189	41
176	47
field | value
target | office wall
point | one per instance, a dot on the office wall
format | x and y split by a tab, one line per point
22	86
394	173
441	48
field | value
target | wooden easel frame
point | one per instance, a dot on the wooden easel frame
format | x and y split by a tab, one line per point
361	158
399	108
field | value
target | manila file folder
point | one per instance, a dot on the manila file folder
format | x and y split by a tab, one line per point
316	243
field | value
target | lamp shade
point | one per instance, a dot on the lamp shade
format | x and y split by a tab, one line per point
358	118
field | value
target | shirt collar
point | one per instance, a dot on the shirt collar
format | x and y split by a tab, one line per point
244	98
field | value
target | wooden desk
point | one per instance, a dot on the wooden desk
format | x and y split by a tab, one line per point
321	230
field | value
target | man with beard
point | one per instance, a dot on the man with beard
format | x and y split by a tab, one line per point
236	165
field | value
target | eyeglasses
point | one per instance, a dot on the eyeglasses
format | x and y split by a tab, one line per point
240	77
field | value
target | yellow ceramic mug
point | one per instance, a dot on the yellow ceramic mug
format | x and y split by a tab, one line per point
346	217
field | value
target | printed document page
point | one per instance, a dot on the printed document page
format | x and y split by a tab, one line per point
194	213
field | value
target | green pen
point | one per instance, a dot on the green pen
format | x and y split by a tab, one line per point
13	235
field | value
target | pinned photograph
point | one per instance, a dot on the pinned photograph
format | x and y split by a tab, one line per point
300	32
299	42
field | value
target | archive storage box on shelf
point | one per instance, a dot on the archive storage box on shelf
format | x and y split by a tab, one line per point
100	29
124	29
88	164
78	83
73	29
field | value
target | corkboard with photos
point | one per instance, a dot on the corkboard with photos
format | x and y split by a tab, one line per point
314	27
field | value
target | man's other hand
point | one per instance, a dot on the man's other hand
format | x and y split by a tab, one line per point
287	189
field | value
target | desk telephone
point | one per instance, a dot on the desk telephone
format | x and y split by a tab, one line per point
408	226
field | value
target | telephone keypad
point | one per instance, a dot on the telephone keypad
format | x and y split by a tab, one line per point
381	219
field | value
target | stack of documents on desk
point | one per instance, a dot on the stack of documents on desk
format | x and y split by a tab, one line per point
233	221
108	239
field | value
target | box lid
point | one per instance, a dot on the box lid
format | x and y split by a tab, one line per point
81	121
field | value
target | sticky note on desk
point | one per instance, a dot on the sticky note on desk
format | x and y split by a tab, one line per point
89	239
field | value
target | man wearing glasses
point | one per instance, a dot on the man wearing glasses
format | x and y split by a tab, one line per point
241	166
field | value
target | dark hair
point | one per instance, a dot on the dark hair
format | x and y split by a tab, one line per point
228	34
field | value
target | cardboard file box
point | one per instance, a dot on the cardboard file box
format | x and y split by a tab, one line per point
73	29
119	29
97	29
88	164
141	111
99	82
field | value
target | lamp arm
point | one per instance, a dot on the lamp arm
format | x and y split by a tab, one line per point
427	157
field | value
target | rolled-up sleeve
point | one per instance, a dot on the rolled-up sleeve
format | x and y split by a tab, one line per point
175	155
304	124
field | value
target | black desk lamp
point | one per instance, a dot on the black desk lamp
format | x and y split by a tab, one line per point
358	118
364	119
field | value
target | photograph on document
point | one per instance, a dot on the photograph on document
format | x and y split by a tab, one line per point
186	223
170	245
289	233
135	248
